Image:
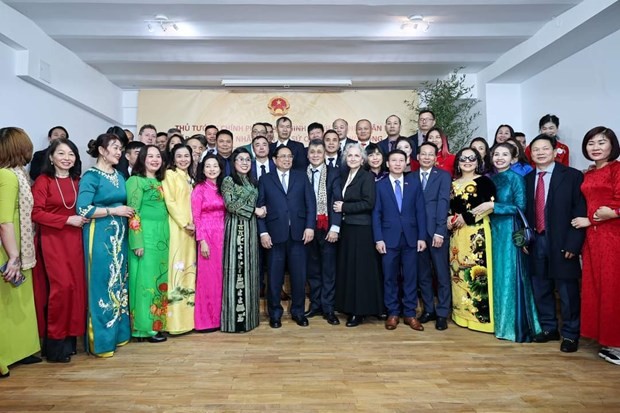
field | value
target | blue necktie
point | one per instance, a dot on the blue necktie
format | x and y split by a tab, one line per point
399	195
284	183
424	180
331	162
263	170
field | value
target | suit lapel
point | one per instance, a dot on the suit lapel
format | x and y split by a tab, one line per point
556	181
276	177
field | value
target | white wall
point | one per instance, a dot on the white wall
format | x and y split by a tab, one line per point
35	110
583	91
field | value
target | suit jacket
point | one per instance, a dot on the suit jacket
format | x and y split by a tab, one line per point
414	139
437	200
254	170
388	223
288	212
227	164
37	163
359	198
334	193
564	202
347	141
123	166
300	157
385	147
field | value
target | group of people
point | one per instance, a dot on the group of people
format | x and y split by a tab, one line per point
174	235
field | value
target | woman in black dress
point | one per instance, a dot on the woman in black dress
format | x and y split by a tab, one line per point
359	285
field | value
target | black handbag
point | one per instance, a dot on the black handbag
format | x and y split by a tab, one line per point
523	236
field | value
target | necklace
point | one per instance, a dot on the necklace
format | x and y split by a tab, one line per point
62	196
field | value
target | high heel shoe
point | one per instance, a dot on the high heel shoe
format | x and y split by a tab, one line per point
157	338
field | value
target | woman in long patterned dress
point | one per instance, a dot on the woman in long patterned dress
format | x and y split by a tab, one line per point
209	213
514	309
59	281
600	288
148	242
102	199
240	302
18	320
182	256
470	245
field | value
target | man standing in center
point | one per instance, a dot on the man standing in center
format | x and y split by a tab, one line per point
322	250
287	228
399	228
436	186
284	126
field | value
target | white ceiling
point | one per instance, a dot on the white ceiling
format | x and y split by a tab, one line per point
291	39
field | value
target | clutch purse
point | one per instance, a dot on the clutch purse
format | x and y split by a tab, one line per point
523	235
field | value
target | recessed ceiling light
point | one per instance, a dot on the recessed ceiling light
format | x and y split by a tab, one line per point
416	23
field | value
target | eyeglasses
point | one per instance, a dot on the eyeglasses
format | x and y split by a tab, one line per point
426	119
243	160
470	158
285	156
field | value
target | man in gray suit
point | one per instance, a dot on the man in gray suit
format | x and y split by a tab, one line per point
436	189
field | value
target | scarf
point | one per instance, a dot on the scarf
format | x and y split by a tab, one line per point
322	219
25	204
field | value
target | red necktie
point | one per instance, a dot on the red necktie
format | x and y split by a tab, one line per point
540	203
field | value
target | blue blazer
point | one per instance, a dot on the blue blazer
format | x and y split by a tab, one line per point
437	199
253	171
300	157
388	223
287	213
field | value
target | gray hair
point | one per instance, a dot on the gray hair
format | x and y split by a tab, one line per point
357	146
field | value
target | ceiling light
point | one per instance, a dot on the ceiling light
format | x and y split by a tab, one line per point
163	22
286	83
415	23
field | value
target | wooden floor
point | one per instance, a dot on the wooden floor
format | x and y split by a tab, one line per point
323	368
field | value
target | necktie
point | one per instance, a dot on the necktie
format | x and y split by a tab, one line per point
331	162
391	145
210	151
540	203
424	180
284	183
314	171
399	195
263	170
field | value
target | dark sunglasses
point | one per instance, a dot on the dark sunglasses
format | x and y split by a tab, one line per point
470	158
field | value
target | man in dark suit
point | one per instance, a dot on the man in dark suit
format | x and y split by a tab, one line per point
554	198
332	148
321	268
284	126
224	142
392	127
426	120
39	156
436	184
399	228
258	129
262	164
287	228
341	127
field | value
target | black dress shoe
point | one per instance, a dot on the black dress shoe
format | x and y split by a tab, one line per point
441	323
30	360
569	346
275	323
301	321
332	319
426	317
354	320
382	317
157	338
546	336
312	313
65	359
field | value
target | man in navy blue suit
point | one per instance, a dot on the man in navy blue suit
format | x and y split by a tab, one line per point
399	227
392	127
224	142
284	126
322	250
332	148
436	184
287	228
262	164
